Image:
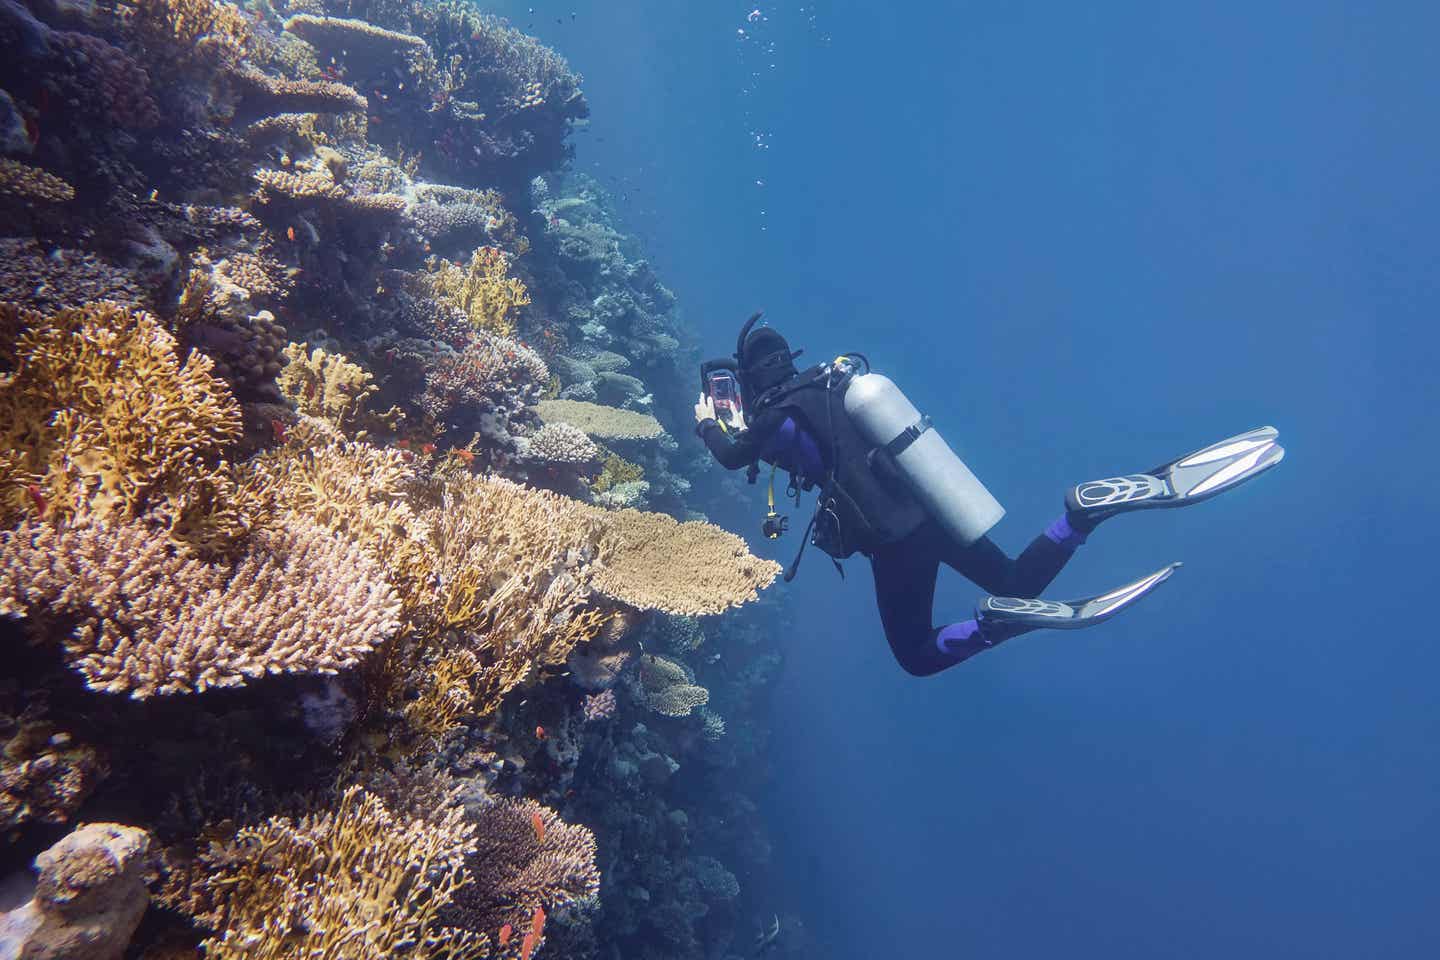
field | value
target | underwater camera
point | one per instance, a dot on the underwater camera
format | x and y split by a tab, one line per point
775	525
718	381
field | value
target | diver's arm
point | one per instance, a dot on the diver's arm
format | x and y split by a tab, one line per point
737	445
733	450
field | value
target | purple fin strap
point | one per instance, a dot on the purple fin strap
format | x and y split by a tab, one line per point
1060	532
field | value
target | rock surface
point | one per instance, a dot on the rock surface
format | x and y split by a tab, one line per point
87	901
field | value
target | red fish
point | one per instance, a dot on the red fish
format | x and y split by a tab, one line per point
427	449
505	932
290	233
468	456
539	733
38	498
539	826
403	444
277	427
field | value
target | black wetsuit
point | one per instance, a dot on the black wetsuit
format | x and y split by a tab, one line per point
905	570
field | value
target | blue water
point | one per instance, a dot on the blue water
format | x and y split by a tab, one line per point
1086	239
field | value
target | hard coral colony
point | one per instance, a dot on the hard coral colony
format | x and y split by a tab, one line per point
297	531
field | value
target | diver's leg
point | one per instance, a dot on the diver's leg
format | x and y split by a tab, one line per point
986	565
905	592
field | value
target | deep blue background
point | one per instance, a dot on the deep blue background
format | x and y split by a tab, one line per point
1087	238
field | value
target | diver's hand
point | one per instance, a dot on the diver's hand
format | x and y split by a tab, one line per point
704	409
737	420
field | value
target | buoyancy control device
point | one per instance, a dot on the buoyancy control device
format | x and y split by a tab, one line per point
887	468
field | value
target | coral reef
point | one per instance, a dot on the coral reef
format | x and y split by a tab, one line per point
423	682
99	410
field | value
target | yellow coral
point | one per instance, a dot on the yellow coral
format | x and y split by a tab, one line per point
325	385
615	471
652	562
491	299
32	183
98	408
600	421
356	882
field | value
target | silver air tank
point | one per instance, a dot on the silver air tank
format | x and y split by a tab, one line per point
945	487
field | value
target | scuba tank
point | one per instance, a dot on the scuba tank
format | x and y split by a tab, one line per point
952	495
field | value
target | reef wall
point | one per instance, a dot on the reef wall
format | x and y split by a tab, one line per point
349	576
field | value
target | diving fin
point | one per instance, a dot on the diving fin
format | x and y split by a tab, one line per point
1001	618
1194	477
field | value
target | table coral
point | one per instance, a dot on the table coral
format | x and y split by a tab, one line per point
653	562
600	422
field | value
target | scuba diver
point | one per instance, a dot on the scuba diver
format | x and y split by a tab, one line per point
892	489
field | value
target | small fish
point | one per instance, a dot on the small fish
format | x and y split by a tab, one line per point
467	456
38	498
539	733
505	933
403	444
427	448
539	826
277	427
532	939
290	232
375	120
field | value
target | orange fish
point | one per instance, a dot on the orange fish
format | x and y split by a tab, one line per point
532	939
539	733
466	455
539	826
505	932
290	232
427	448
403	444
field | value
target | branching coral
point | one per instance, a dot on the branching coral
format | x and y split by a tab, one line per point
52	279
669	687
601	422
152	618
653	562
31	183
492	374
98	407
483	289
45	774
525	857
560	444
327	385
356	882
615	471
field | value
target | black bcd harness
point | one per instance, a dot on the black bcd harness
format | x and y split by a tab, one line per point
863	501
